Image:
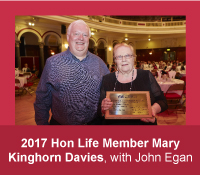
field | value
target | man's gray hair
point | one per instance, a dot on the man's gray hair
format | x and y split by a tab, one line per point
76	22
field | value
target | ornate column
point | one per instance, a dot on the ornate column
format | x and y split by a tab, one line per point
41	45
60	48
106	60
95	50
17	54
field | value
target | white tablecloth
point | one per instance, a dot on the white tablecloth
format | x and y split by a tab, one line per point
17	73
165	85
27	76
22	80
182	73
147	68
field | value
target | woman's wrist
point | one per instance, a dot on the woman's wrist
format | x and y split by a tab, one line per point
102	110
156	107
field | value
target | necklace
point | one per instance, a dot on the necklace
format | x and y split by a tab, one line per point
117	77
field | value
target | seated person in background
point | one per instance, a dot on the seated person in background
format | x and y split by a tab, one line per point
127	78
177	76
161	66
178	67
34	69
154	66
173	67
145	65
112	69
142	65
149	64
167	67
26	68
183	66
108	66
137	65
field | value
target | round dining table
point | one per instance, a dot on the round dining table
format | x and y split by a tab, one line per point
182	73
25	74
22	80
147	68
164	85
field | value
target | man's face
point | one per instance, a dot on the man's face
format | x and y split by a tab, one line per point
78	40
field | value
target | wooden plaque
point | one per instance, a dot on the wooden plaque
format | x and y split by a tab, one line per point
129	105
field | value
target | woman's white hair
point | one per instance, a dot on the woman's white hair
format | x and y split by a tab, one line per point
120	45
76	22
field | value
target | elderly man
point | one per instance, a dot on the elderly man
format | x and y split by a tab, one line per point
26	68
70	82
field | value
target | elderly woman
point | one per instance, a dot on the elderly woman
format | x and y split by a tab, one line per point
126	78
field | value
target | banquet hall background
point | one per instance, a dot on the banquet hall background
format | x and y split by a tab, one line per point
154	38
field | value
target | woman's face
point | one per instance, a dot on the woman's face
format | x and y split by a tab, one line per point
124	65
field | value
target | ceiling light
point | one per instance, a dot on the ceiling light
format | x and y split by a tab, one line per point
149	39
126	39
31	24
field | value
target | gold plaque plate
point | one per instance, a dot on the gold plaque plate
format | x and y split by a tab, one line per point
129	105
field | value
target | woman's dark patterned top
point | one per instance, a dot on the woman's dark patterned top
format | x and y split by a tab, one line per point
144	81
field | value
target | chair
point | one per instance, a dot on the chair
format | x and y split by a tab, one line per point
27	74
30	82
184	79
17	87
172	95
37	73
154	72
177	76
184	92
32	79
172	74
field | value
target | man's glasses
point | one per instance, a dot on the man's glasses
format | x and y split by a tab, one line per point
120	57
